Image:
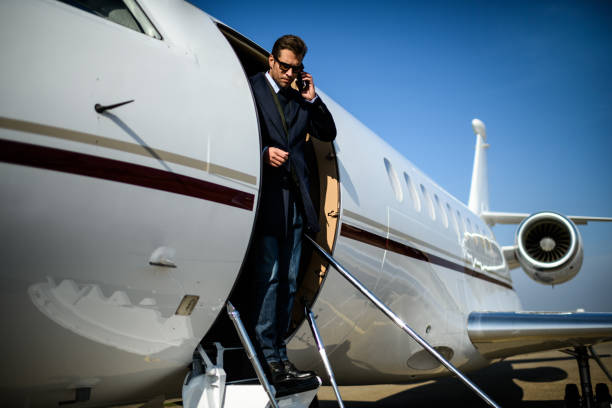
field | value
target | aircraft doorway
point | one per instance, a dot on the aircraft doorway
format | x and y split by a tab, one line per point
324	190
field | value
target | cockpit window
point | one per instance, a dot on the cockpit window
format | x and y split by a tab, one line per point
124	12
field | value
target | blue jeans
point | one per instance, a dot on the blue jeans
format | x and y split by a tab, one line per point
277	262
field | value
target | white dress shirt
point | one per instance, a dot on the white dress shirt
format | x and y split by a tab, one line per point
277	88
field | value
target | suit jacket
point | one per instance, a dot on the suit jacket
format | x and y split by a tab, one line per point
281	185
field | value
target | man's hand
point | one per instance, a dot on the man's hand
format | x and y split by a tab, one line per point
275	157
309	91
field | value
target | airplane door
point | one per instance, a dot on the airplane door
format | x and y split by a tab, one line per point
141	214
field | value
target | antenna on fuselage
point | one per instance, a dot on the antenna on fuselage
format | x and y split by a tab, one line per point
479	191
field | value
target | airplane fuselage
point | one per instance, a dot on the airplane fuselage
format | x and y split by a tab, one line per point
125	231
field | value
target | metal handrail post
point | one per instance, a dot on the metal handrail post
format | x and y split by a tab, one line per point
251	354
317	337
399	322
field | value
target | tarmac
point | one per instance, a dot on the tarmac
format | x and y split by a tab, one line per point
534	380
525	381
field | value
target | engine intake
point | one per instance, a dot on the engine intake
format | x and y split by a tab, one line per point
549	248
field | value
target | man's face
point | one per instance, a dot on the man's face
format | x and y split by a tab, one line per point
285	68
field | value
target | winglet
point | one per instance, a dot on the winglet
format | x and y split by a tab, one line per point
479	191
492	218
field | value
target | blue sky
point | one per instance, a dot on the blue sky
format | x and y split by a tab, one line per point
539	74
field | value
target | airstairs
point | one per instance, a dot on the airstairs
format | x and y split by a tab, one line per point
207	384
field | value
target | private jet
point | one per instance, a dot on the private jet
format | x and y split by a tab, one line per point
130	159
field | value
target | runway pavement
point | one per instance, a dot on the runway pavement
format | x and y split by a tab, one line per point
527	381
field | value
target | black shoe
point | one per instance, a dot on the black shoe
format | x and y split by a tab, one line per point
294	373
277	372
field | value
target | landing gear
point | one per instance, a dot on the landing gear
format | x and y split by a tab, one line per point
601	398
573	400
572	396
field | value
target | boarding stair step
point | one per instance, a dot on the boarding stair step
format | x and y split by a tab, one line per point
254	395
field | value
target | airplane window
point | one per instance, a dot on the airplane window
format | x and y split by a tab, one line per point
412	191
451	215
394	180
461	225
444	216
427	198
124	12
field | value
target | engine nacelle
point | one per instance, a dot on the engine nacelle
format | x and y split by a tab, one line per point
549	248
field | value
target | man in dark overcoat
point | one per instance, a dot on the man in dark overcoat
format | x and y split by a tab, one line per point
286	211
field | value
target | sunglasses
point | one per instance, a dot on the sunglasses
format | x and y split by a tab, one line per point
284	67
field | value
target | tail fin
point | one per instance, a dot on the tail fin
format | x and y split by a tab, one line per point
479	191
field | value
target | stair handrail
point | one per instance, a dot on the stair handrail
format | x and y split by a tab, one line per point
399	322
316	334
251	353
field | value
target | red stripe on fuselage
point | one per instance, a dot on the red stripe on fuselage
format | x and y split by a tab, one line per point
370	238
115	170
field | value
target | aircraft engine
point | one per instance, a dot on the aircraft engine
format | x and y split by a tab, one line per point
549	248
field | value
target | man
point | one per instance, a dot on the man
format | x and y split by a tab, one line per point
285	209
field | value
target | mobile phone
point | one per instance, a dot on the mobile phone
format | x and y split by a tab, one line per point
301	84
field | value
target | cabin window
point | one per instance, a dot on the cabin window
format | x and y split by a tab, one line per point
455	223
394	180
443	214
461	225
468	224
123	12
427	199
413	193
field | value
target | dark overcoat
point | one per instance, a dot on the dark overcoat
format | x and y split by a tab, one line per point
288	182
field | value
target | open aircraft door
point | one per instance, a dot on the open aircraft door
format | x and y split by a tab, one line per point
324	191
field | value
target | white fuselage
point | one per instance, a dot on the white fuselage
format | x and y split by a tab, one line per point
88	198
433	274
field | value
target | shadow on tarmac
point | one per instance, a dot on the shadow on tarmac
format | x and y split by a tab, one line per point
497	381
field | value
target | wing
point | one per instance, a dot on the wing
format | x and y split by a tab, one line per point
501	334
493	218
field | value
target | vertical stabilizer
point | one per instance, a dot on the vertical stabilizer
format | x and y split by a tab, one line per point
479	192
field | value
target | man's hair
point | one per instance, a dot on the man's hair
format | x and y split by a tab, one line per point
292	43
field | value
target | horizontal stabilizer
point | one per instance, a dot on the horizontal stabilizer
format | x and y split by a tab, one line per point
493	218
504	334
